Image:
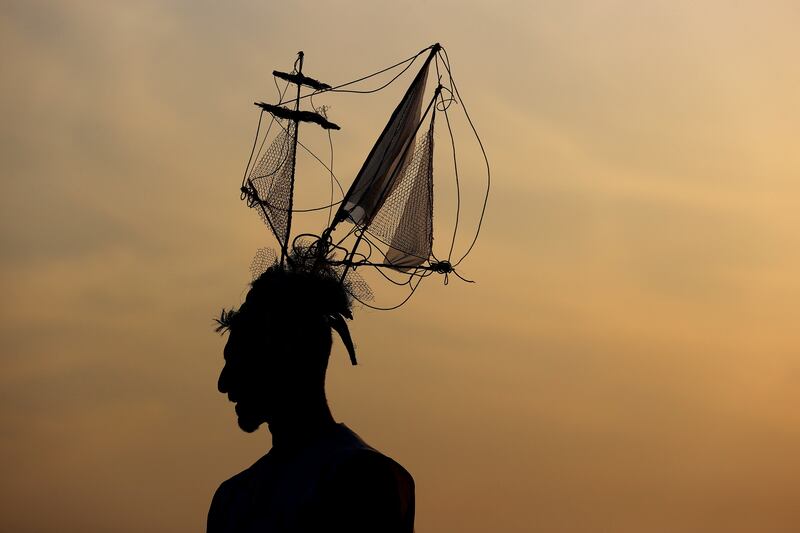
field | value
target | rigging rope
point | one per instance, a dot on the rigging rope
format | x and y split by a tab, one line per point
375	307
323	110
446	61
252	151
337	88
269	127
330	170
458	184
370	91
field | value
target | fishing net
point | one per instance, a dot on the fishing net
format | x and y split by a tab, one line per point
271	181
302	258
355	285
405	222
264	258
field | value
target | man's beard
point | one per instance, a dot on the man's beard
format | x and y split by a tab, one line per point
248	420
249	424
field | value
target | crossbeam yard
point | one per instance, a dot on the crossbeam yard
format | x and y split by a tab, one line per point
298	116
300	79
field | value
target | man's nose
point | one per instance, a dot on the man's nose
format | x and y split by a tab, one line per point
222	382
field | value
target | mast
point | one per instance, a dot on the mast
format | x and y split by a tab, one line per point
295	116
296	121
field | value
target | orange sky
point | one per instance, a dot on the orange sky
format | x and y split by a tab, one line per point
627	362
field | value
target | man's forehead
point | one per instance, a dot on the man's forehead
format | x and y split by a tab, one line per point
246	336
259	314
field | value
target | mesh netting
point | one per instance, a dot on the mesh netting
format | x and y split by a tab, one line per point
353	283
306	251
405	222
272	180
264	258
356	286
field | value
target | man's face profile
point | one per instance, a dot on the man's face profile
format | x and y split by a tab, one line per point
248	378
277	353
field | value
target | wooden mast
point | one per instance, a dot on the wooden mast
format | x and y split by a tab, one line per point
285	245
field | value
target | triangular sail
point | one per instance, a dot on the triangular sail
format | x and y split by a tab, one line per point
405	221
385	163
270	183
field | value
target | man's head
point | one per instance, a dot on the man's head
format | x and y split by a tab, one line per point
279	342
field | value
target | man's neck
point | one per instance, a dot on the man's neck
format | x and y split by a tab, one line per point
303	425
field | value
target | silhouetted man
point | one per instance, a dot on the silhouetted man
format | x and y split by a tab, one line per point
319	475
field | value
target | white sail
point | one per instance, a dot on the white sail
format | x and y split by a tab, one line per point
388	158
405	221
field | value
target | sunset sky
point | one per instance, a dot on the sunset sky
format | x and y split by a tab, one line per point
628	360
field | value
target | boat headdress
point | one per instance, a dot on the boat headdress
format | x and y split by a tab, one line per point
384	222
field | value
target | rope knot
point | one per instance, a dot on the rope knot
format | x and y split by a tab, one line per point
249	196
442	267
446	268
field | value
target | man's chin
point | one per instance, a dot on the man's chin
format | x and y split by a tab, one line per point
249	417
249	424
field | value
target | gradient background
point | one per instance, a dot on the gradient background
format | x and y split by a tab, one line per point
627	362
